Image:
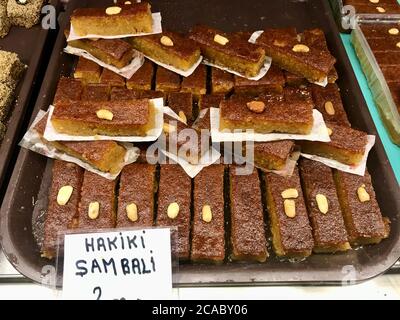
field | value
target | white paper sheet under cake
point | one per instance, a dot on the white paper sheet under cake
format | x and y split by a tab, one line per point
51	133
193	170
33	142
319	131
256	34
358	170
126	72
183	73
262	73
157	28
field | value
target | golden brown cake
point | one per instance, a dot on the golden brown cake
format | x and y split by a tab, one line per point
62	211
136	196
229	51
221	81
347	145
106	156
113	20
329	102
196	82
170	48
96	92
290	227
112	79
141	79
115	52
119	93
87	71
323	206
167	81
208	232
182	104
275	115
113	118
273	81
283	46
272	155
68	89
97	206
174	201
247	217
361	212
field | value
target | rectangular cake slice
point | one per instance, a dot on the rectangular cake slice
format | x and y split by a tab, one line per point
97	207
115	52
115	118
208	233
113	20
62	211
167	81
142	79
182	104
174	201
106	156
247	217
266	114
170	48
362	216
68	89
290	227
112	79
136	196
323	206
229	51
347	145
283	46
87	71
221	81
196	82
329	102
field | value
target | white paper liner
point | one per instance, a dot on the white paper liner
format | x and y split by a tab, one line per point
319	131
193	170
171	113
183	73
51	133
358	170
256	34
33	142
126	72
157	28
262	73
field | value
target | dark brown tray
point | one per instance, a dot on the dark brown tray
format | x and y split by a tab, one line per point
29	44
29	176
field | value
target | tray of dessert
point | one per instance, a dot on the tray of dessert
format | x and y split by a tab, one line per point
347	12
22	42
315	200
377	46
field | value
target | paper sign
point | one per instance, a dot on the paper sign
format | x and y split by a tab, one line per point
120	265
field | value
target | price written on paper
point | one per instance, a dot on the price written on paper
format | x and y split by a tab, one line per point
118	265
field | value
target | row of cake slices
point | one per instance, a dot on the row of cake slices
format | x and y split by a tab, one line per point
231	94
313	210
304	54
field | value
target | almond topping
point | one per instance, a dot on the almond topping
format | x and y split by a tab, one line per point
104	114
256	106
94	210
322	203
291	193
394	31
380	9
113	10
290	208
301	48
206	213
220	39
131	211
166	41
362	193
329	108
64	194
182	116
173	210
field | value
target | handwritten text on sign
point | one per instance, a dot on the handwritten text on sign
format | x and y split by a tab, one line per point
118	265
